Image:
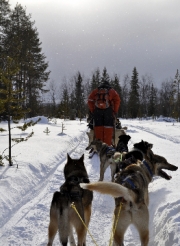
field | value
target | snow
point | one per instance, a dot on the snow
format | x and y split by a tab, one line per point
27	187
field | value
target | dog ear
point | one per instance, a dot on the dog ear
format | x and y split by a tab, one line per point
139	145
68	157
119	137
82	158
136	145
129	137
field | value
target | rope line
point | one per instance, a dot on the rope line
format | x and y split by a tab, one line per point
115	221
115	225
74	207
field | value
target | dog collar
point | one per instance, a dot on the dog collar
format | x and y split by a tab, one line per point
124	150
72	194
147	166
77	180
110	148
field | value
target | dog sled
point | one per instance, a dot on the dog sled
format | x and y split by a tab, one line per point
118	130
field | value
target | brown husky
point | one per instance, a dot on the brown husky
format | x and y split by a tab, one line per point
62	216
106	154
115	138
131	191
106	159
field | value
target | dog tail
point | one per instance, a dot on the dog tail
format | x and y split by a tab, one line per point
110	188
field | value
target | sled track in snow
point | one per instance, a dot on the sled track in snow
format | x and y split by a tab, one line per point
163	136
36	194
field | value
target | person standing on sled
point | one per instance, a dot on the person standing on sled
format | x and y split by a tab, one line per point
104	102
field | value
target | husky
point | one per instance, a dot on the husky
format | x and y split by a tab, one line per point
117	134
91	137
106	153
63	217
115	139
130	191
138	152
122	145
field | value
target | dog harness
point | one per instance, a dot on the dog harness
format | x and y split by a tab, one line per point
76	181
72	194
110	151
148	167
129	181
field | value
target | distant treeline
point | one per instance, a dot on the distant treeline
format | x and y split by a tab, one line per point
139	97
24	80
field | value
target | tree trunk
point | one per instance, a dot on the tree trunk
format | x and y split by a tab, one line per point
9	130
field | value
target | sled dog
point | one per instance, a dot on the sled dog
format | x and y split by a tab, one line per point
130	190
63	217
139	152
119	132
105	153
122	145
91	137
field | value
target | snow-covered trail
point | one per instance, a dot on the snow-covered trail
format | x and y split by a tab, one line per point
27	223
164	226
161	138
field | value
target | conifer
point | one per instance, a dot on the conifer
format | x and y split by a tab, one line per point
11	104
133	104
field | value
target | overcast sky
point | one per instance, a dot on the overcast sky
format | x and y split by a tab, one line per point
81	35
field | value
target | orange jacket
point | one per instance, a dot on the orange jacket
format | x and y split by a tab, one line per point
113	98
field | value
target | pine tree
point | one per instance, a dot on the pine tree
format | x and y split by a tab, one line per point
23	45
11	105
152	101
96	79
145	95
52	89
115	82
65	102
79	96
133	104
4	22
125	96
105	75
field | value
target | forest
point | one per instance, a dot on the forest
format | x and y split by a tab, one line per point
27	91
